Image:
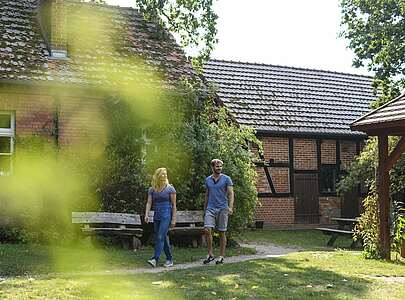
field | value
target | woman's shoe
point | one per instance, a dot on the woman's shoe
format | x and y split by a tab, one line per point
152	262
168	263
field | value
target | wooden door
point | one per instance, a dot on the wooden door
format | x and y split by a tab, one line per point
306	194
350	205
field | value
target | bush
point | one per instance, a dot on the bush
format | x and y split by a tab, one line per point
185	134
189	132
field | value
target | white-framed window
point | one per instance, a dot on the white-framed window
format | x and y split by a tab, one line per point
7	135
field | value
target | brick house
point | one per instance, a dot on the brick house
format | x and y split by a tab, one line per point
302	116
54	56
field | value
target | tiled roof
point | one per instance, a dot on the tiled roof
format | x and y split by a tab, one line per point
123	36
278	99
393	111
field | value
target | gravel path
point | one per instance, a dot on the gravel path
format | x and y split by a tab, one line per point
262	252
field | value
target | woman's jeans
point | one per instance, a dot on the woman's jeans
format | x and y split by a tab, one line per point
161	238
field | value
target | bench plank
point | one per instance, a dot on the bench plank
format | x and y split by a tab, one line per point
332	230
188	216
106	218
345	220
184	216
188	223
334	233
126	226
115	231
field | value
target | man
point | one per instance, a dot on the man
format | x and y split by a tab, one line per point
218	191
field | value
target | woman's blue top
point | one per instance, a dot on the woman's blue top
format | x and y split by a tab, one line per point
162	205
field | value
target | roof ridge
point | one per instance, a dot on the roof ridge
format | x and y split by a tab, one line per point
288	67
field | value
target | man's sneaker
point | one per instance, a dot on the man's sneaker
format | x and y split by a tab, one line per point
209	259
220	260
152	262
168	263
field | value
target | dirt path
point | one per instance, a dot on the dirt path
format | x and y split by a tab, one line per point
262	252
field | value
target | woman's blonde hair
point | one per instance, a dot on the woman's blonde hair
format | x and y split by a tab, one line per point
156	185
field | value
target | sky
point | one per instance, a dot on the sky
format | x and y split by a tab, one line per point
293	33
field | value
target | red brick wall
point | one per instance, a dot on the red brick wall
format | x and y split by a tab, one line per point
305	154
34	113
81	121
280	211
281	179
276	211
347	153
328	152
262	184
275	148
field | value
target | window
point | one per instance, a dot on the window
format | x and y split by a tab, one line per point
7	128
328	178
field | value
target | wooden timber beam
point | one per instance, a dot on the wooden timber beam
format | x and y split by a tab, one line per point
383	197
395	155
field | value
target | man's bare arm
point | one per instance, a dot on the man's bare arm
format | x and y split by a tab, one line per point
231	198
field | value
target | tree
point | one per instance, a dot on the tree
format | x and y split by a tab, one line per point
375	30
193	21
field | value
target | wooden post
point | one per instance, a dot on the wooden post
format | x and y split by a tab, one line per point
383	196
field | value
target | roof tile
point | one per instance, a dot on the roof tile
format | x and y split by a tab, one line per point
279	99
124	36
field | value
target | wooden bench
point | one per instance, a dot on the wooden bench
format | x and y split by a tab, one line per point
345	227
335	233
188	223
126	226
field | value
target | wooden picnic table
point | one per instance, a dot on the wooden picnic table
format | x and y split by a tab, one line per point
345	223
345	227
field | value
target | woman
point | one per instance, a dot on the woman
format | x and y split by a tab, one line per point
163	197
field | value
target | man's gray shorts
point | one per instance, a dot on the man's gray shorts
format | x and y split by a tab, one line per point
218	218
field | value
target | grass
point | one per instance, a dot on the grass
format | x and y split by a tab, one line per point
304	239
21	259
316	272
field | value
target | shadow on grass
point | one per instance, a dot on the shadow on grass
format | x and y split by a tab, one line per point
279	278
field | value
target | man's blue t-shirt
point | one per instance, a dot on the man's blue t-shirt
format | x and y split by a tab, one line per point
217	192
162	205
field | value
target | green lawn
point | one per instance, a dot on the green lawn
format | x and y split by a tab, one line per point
316	272
304	239
20	259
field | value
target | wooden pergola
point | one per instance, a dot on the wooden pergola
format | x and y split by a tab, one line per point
387	120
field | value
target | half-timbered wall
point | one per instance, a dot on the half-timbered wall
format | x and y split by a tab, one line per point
288	159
